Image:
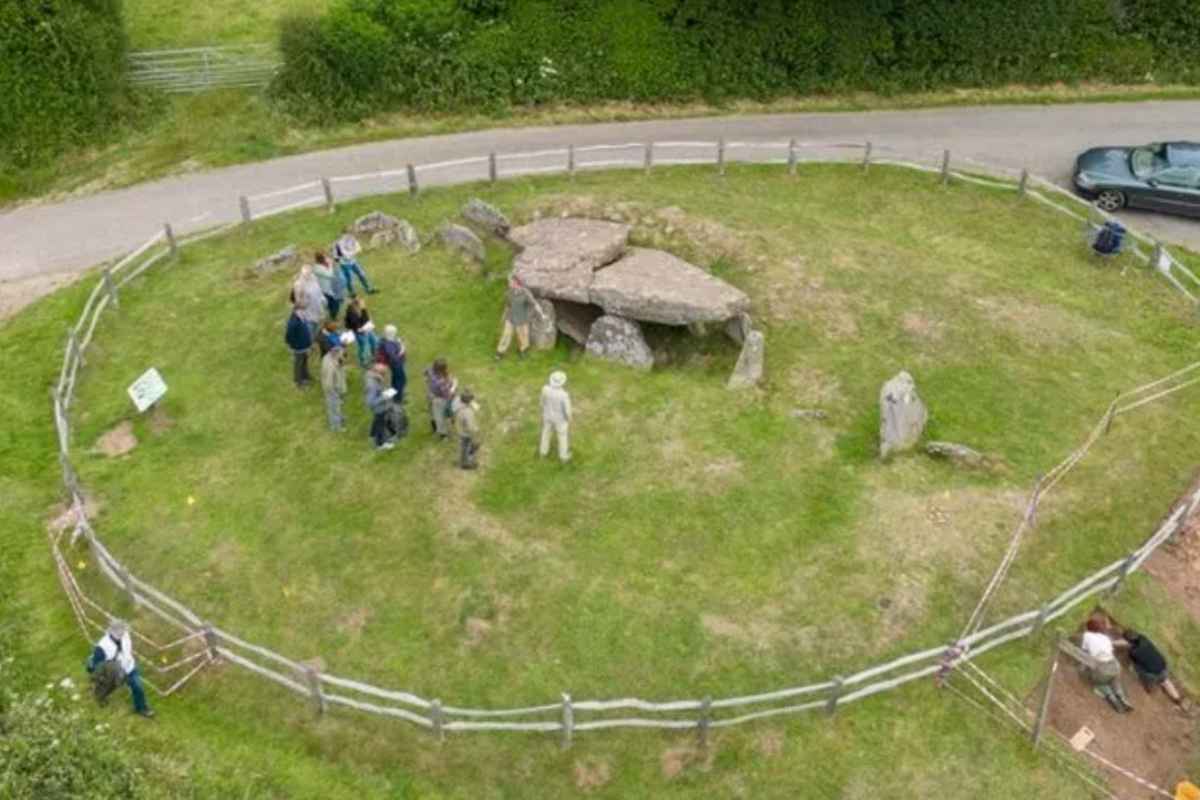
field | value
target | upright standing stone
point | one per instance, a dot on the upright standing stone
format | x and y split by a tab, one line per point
749	369
621	340
543	328
486	216
902	415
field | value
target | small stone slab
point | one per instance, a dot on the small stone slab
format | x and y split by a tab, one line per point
575	320
462	239
560	256
378	229
655	286
958	453
749	369
287	257
487	217
620	340
902	415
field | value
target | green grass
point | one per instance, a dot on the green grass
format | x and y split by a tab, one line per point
166	24
702	543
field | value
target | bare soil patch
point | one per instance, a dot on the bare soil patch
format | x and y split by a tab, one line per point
675	760
17	294
591	774
1040	324
119	441
1176	565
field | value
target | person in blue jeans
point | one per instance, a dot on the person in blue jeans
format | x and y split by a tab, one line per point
393	353
358	321
345	252
116	645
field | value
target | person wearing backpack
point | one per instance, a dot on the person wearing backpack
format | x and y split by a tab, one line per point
113	657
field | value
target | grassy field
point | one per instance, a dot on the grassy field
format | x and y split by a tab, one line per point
702	543
165	24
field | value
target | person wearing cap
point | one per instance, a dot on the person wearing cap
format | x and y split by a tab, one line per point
116	645
392	353
519	304
332	283
440	388
298	338
1105	675
345	253
1149	663
333	383
465	421
379	402
358	321
556	415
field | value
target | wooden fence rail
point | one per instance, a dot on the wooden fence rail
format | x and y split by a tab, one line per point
565	716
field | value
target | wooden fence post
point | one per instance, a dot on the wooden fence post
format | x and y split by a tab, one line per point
210	641
1126	569
314	687
648	157
172	245
945	167
244	202
1044	706
705	721
867	158
568	721
413	187
110	288
835	694
435	714
493	171
791	157
327	187
721	156
1023	186
571	160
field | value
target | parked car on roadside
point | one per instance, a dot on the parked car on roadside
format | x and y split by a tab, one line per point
1163	177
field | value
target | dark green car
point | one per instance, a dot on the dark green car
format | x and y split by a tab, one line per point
1158	177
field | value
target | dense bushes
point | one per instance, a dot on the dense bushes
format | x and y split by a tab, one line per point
493	54
62	73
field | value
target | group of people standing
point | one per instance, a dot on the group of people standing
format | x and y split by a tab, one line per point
318	294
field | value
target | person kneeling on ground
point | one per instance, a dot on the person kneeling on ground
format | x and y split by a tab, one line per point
379	403
1149	664
1106	675
517	308
468	428
112	661
333	382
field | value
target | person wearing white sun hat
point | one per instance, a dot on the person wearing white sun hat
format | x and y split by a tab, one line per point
556	416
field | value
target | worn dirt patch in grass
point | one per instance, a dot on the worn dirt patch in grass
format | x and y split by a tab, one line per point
117	442
461	520
676	760
592	773
1041	324
1176	565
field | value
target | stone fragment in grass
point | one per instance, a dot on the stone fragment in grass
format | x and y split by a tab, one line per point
463	240
119	441
749	368
575	319
902	415
655	286
275	262
958	453
620	340
559	257
487	217
378	229
809	413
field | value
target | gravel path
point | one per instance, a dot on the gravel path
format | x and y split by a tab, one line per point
64	237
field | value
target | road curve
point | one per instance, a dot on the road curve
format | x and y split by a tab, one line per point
63	237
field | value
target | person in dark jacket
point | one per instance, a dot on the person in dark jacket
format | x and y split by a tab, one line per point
393	354
1149	664
298	338
358	321
440	388
328	338
379	402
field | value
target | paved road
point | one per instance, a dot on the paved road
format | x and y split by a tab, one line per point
74	234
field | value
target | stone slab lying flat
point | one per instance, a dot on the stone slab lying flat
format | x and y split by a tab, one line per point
655	286
559	256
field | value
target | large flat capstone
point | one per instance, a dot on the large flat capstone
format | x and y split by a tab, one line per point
560	256
655	286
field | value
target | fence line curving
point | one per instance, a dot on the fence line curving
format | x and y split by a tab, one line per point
199	642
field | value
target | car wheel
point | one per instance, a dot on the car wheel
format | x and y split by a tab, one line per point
1110	200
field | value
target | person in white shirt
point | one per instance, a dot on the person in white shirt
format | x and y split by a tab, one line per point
556	416
115	645
1106	675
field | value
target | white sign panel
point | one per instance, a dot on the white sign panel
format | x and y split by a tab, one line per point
147	390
